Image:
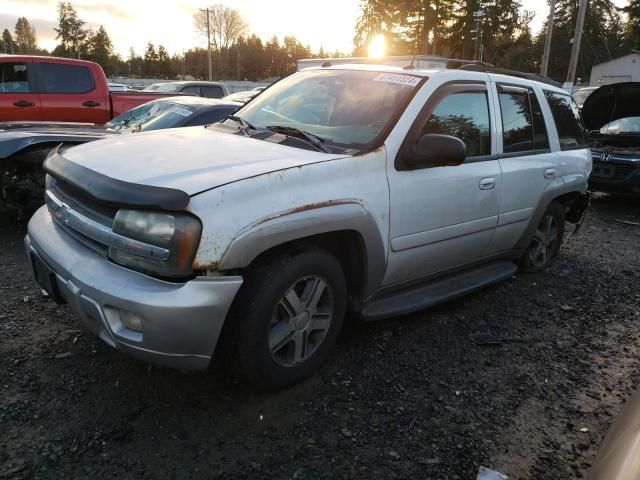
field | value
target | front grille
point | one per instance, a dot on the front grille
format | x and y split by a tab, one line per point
612	171
84	204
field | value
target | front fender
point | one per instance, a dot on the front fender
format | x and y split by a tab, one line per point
306	221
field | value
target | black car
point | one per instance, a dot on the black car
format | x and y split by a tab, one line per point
25	145
612	114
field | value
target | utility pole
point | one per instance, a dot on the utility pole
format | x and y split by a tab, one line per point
577	38
208	43
547	42
479	15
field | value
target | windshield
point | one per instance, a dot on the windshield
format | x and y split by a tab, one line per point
580	96
167	87
622	125
345	109
151	116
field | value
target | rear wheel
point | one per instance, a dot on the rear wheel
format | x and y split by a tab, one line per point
546	241
286	319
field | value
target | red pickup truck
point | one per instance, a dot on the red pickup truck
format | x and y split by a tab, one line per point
61	89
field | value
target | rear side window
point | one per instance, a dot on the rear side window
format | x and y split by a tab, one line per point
572	133
211	91
464	115
14	78
60	78
522	121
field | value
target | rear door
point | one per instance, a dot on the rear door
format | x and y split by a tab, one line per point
528	165
19	99
71	93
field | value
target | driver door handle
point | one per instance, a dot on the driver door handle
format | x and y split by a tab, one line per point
91	103
487	183
24	103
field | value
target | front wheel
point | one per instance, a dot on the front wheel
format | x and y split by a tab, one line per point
546	241
286	318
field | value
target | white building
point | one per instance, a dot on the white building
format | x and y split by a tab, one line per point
622	69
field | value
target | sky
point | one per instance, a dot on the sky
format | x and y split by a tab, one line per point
326	23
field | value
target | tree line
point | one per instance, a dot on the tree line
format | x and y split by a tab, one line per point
236	54
437	27
448	28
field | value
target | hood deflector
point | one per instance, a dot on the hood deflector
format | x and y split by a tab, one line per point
611	102
114	192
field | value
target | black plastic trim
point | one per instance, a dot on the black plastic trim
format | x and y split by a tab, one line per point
110	191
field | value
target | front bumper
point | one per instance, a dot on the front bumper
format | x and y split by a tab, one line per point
181	323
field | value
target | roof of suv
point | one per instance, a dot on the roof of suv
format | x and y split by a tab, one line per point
456	74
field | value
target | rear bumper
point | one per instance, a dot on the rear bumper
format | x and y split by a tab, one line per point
181	323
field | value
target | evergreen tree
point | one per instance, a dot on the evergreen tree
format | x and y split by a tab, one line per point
602	40
8	45
71	32
150	62
632	31
25	37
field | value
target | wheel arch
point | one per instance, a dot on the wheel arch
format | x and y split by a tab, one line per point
347	230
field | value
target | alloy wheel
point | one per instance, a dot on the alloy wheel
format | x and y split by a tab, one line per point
301	321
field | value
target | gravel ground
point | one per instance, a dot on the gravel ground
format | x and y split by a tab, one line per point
412	397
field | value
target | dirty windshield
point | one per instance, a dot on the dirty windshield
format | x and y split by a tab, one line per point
344	109
154	115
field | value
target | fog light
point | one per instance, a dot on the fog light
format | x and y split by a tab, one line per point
131	321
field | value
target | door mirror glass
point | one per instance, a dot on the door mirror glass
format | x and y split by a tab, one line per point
436	150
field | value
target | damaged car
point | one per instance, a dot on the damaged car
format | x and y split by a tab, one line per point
25	145
368	189
612	114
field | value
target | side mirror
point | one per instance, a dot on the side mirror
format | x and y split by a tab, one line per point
435	150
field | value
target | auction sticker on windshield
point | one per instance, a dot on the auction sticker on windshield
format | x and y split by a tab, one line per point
408	80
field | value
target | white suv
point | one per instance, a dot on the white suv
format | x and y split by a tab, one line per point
367	189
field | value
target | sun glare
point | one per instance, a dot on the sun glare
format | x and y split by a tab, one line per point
377	46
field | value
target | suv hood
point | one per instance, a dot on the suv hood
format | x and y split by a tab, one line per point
611	102
191	159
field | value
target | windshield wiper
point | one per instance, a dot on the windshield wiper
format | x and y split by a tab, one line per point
244	125
314	140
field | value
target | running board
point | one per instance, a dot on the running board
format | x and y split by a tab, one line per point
437	291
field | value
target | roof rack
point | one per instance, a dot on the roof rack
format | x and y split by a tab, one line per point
475	67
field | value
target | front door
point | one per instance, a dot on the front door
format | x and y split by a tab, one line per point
19	99
444	217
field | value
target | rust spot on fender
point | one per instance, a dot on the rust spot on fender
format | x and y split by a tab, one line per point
306	208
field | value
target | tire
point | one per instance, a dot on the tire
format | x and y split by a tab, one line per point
546	241
285	319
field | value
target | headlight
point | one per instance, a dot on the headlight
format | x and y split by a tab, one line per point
178	233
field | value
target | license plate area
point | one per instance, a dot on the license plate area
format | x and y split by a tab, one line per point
46	278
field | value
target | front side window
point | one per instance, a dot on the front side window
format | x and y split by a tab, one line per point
464	115
61	78
14	78
571	131
346	109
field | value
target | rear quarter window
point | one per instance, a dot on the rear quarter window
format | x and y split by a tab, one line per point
212	91
571	131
